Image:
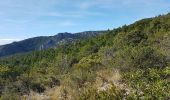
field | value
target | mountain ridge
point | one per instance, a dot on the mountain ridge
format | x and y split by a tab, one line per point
44	42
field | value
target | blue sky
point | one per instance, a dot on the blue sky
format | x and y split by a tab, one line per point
21	19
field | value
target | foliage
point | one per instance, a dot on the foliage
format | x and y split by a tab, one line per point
140	51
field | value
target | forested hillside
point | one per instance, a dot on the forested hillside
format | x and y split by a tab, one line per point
44	42
131	62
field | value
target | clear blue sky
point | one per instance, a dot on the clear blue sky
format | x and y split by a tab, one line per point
20	19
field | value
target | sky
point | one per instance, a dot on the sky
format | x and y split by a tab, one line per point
21	19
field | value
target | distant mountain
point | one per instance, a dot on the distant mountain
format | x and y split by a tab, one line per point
44	42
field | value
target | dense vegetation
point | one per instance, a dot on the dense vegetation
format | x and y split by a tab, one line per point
130	62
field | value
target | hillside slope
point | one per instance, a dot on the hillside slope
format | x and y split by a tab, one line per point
41	43
131	62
